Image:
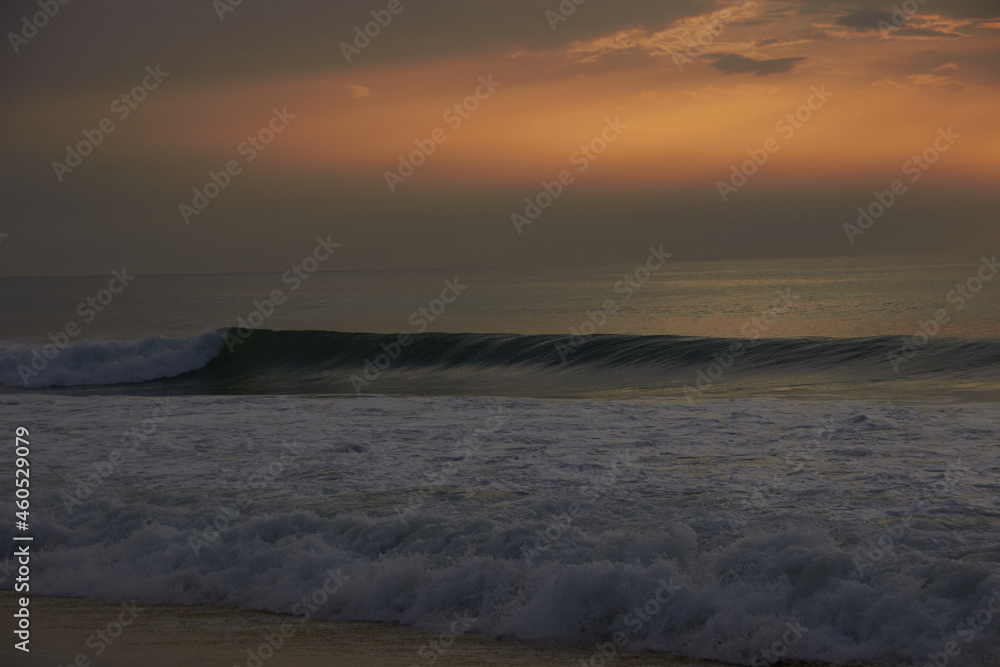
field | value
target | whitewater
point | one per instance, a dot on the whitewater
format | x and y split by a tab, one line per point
871	528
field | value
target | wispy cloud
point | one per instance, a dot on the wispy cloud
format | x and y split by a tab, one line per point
679	37
358	92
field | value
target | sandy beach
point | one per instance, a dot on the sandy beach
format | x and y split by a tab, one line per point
216	635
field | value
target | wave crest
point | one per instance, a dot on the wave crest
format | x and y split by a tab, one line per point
95	362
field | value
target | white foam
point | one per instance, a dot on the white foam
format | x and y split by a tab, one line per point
105	362
335	499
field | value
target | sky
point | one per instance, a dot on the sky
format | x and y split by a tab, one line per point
467	133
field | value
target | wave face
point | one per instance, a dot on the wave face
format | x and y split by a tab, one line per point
325	362
701	530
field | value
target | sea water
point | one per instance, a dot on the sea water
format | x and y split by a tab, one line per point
733	461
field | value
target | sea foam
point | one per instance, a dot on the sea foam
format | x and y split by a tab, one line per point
705	531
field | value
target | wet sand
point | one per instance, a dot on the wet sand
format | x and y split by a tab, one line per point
64	629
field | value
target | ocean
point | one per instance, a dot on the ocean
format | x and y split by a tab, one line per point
741	461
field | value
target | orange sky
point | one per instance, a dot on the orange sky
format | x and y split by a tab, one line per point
686	126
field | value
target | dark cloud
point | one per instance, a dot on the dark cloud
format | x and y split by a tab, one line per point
966	9
795	37
865	19
862	10
731	63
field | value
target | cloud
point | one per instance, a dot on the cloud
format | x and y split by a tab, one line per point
925	32
731	63
357	92
865	19
868	22
944	84
864	9
702	33
890	84
935	82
